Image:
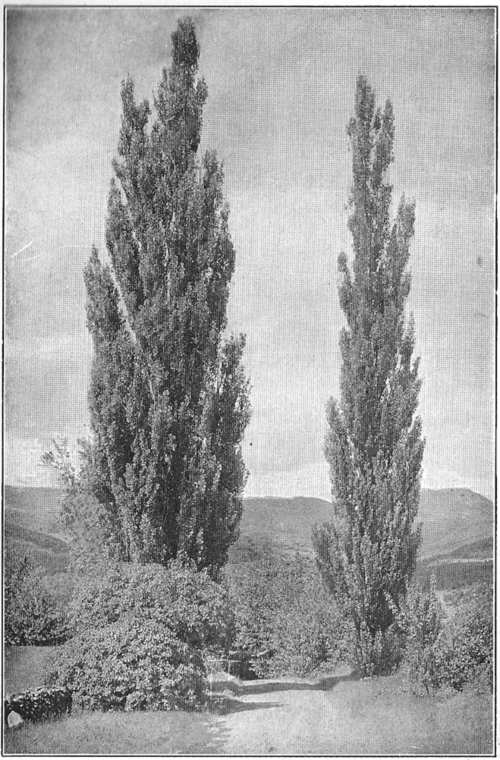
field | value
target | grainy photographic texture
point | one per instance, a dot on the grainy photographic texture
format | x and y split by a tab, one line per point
180	542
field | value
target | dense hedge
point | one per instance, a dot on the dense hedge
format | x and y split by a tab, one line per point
39	704
141	631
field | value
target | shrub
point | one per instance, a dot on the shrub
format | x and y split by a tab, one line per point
466	651
307	635
194	607
130	664
419	618
32	614
140	635
452	655
285	622
39	704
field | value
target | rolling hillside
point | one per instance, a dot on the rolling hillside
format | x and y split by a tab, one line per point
458	526
454	520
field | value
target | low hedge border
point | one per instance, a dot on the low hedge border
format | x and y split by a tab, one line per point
39	704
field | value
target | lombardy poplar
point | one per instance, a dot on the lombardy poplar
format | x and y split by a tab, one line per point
374	443
168	398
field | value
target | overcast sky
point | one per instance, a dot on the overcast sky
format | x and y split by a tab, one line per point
281	89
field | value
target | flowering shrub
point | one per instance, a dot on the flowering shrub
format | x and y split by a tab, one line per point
39	704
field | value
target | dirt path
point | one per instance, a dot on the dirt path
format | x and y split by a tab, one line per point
340	715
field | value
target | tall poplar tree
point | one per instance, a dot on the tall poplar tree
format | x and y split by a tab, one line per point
168	397
374	444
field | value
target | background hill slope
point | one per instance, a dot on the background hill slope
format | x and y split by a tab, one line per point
458	525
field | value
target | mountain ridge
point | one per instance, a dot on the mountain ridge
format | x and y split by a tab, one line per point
456	521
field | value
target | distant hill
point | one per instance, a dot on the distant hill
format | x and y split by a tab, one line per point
453	520
457	526
31	525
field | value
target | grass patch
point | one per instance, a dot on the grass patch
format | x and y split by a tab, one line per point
144	733
380	716
24	668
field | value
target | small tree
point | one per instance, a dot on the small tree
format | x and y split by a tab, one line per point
168	397
374	444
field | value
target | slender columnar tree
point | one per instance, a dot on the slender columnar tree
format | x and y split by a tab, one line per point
374	444
168	399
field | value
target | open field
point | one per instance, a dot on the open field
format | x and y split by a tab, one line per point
333	715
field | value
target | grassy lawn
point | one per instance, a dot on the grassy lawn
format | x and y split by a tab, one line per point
24	668
380	716
145	733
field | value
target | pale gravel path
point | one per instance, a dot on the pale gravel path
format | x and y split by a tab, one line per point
342	716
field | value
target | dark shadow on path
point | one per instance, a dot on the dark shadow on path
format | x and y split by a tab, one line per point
267	686
227	705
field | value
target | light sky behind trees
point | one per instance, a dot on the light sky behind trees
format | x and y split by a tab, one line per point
280	92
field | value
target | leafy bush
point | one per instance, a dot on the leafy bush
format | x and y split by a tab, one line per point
39	704
466	651
32	614
192	605
140	636
454	654
419	618
130	664
285	622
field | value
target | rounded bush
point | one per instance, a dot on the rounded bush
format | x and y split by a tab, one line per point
130	664
140	635
190	603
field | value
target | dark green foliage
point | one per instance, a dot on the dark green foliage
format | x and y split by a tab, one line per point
168	397
374	445
39	704
130	664
193	606
32	614
455	653
419	617
466	654
141	633
285	622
